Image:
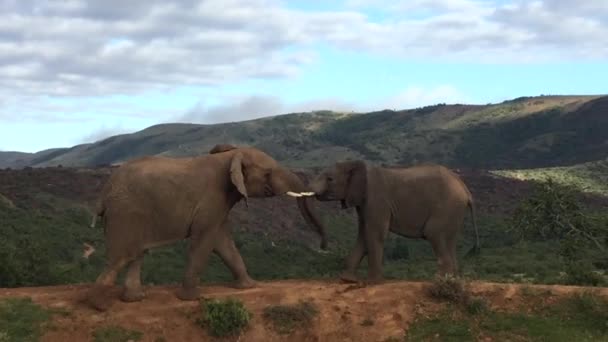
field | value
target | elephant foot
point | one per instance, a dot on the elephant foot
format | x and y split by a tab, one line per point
188	293
246	283
375	280
133	295
349	277
99	298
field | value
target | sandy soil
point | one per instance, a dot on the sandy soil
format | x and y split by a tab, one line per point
391	306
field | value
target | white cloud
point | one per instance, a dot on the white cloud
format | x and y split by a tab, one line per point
108	47
414	97
92	49
233	109
103	132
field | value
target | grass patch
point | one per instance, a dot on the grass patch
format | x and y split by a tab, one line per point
224	317
22	320
578	317
115	333
286	318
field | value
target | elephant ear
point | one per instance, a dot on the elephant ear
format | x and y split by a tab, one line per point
219	148
356	183
236	174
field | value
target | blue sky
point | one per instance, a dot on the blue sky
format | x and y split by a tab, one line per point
76	72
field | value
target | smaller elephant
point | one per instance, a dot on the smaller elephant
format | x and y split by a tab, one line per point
424	202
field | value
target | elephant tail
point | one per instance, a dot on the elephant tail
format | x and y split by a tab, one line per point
477	248
99	211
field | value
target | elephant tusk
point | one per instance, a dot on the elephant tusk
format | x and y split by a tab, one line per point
300	194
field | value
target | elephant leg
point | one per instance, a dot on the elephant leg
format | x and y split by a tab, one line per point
442	234
451	247
443	255
201	246
133	288
356	255
100	295
231	257
353	260
375	231
441	247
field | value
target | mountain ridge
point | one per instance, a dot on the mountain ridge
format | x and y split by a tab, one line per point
535	131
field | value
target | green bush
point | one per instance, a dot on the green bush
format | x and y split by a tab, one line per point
21	320
116	334
450	289
553	212
224	317
476	305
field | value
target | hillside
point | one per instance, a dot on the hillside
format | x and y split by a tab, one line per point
498	150
589	177
521	133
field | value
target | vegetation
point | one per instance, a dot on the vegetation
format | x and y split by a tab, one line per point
449	288
21	320
454	291
286	318
224	317
579	317
553	213
115	333
30	256
591	177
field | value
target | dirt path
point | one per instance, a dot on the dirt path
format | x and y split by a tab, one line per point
391	306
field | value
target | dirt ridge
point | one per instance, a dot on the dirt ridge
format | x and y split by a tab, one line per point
390	306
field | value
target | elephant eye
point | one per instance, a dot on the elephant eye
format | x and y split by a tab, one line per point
330	179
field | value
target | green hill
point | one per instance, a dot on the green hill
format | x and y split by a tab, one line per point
521	133
589	177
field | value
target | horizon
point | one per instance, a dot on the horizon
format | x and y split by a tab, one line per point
76	72
307	112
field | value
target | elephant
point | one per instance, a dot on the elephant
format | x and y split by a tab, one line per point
426	201
153	201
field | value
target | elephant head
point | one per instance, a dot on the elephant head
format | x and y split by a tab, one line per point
255	174
344	181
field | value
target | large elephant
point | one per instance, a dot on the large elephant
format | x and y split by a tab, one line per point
426	202
154	201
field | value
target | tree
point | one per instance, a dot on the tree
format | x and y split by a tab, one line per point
553	212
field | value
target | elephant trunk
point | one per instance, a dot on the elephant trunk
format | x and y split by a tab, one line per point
290	184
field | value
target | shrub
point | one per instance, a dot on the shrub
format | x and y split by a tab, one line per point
224	317
581	273
286	318
553	212
449	288
21	320
114	333
476	305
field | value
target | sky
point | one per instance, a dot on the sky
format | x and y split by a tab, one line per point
76	71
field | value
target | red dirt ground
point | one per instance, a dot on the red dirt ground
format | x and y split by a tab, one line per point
391	306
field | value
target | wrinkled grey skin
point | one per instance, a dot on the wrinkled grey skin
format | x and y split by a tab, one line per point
424	202
154	201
